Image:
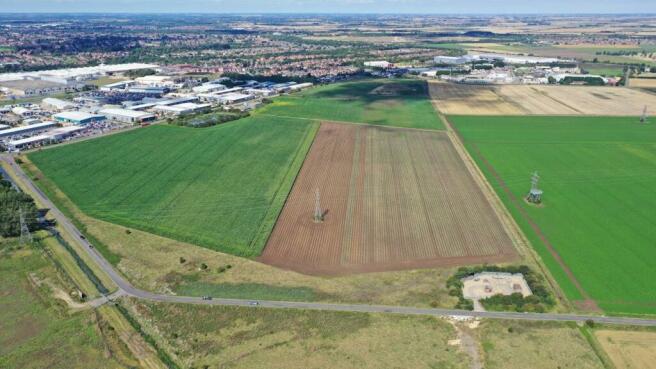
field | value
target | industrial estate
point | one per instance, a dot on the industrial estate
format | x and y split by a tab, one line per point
327	191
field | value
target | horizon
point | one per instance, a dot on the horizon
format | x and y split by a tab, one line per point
329	7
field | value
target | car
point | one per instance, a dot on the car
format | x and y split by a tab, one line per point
253	303
207	297
90	246
82	237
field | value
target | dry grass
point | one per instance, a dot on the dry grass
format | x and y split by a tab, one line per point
233	337
629	350
456	99
521	345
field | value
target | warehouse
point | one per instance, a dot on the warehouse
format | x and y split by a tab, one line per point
182	109
78	117
28	87
128	116
233	98
53	136
23	130
78	73
117	86
57	104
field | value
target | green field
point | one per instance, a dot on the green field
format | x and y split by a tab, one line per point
598	175
400	103
37	331
220	187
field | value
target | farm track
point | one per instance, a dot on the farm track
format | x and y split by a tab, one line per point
395	199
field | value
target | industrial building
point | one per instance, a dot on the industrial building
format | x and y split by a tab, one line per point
54	135
57	104
78	117
182	109
208	87
378	64
78	73
233	98
24	130
118	86
31	87
128	116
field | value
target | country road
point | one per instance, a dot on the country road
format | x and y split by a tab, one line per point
126	289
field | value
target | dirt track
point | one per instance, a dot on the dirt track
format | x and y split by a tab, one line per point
395	199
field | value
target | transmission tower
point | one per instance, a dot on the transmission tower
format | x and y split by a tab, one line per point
643	118
318	213
25	236
535	194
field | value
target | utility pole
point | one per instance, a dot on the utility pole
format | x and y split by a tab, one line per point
25	236
643	118
318	213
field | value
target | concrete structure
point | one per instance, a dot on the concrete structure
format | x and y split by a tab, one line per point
30	87
182	109
77	117
78	73
487	284
24	130
127	116
57	104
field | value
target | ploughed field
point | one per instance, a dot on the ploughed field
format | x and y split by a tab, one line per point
392	199
220	187
462	99
599	209
400	103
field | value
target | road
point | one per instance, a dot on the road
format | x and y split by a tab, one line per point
126	289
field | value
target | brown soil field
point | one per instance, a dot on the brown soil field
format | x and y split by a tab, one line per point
629	350
459	99
393	199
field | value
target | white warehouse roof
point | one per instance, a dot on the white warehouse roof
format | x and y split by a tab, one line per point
77	72
76	115
135	114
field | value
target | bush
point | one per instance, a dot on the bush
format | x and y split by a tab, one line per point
182	260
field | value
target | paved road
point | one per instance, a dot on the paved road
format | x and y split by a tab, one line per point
126	289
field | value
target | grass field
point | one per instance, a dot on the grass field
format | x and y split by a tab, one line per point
219	187
393	199
37	331
598	174
400	103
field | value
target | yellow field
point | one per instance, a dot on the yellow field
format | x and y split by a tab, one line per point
642	82
629	350
457	99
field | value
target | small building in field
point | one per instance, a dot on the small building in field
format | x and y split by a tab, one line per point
128	116
78	117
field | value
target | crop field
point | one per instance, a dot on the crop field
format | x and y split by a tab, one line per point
220	187
392	198
401	103
461	99
596	228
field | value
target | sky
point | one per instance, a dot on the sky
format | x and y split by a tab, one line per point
333	6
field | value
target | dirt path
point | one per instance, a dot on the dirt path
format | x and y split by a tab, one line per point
468	344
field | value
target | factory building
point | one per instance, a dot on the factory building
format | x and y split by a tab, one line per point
57	104
52	136
453	60
128	116
378	64
78	117
208	87
118	86
182	109
78	73
30	87
24	130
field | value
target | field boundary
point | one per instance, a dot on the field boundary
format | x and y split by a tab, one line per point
522	244
588	302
